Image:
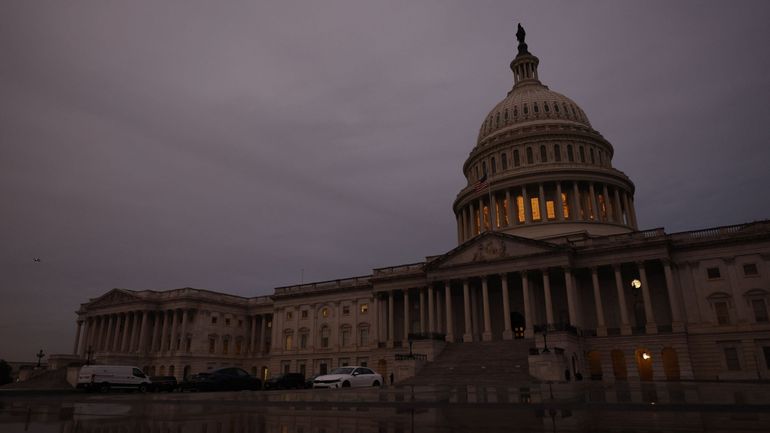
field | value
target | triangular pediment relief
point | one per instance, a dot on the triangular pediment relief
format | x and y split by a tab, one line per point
492	246
114	297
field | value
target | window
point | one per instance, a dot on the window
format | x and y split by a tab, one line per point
212	344
287	342
240	323
545	107
557	153
363	337
303	314
364	308
324	312
238	345
556	107
225	346
493	165
713	273
516	160
530	158
766	352
602	207
564	205
515	112
760	310
505	115
534	203
520	208
534	106
750	269
213	320
731	359
582	154
483	168
289	315
346	310
570	156
543	154
550	211
325	337
345	337
526	109
592	155
227	322
504	161
504	211
303	340
722	313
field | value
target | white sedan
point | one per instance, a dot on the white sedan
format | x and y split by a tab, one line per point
346	377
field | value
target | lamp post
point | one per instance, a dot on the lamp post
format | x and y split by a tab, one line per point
89	353
40	356
545	339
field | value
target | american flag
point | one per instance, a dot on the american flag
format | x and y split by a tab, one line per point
481	183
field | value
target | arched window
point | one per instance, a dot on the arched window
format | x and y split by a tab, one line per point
212	343
593	161
520	208
595	365
483	168
526	109
619	365
556	153
363	335
303	337
504	160
171	370
225	345
515	112
162	370
670	363
345	334
505	115
534	106
324	336
570	155
582	154
493	165
530	158
238	345
516	160
545	107
497	119
556	106
543	154
288	338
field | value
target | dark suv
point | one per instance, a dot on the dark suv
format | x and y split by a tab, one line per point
286	381
163	383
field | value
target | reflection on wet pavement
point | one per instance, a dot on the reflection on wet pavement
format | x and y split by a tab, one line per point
656	407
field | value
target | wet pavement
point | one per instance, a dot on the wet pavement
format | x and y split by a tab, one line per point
583	407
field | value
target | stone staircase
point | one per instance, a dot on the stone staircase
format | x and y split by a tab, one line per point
478	363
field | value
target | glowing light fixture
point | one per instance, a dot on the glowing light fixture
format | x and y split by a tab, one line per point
646	356
636	284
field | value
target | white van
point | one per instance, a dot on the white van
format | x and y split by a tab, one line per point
104	377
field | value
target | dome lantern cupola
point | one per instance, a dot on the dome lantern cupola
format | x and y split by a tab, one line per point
539	169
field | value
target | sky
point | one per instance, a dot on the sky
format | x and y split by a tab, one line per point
240	146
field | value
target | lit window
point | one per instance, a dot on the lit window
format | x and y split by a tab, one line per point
713	273
602	207
504	212
760	310
486	217
364	308
750	269
543	154
287	342
557	153
722	313
550	210
731	359
530	158
346	310
324	312
520	208
534	203
564	205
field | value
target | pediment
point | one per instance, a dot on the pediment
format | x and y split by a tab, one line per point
490	247
114	297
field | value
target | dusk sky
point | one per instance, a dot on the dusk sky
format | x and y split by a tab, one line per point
239	146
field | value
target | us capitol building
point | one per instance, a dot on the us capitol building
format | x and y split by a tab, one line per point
549	248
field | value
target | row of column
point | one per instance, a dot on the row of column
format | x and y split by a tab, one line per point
594	202
435	310
258	346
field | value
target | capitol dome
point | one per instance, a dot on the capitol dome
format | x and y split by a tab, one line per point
539	169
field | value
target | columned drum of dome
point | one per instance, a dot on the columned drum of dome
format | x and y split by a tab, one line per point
539	169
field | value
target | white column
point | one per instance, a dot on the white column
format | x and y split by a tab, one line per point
448	300
487	335
601	328
677	324
391	323
155	331
110	332
183	335
507	332
262	334
468	335
572	299
253	333
529	326
651	326
547	293
132	346
431	322
174	324
124	335
77	337
422	310
164	332
143	333
407	319
625	326
439	327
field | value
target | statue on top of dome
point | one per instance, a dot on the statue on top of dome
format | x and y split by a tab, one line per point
520	35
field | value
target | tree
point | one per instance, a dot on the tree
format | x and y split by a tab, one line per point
5	372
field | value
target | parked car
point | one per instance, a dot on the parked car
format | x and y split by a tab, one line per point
163	383
223	379
345	377
286	381
310	380
106	377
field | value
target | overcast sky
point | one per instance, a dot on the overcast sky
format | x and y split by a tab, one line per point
230	145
